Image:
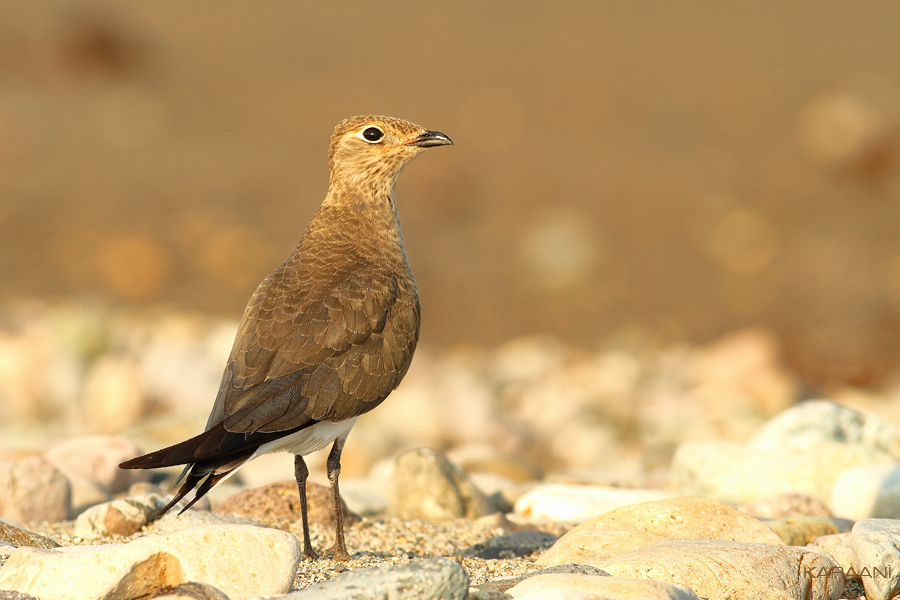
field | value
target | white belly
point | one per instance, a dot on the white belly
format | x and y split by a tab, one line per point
307	441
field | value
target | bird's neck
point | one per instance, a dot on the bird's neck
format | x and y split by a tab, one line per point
353	219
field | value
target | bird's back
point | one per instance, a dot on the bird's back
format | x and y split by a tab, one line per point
330	333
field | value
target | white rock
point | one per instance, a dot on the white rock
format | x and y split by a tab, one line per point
174	522
428	486
113	396
867	491
817	421
243	561
85	493
742	473
118	517
838	546
578	503
431	579
367	497
646	523
706	566
875	544
33	490
96	458
566	585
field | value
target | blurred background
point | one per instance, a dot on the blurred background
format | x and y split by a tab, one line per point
625	174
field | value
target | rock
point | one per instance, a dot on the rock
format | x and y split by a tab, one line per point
18	538
85	493
484	459
631	527
278	505
430	579
802	530
562	586
851	131
366	497
192	590
113	395
786	506
837	546
578	503
147	577
143	488
875	546
519	543
96	458
501	584
747	589
593	547
34	490
242	561
816	422
118	517
706	566
428	486
867	492
174	521
11	595
742	473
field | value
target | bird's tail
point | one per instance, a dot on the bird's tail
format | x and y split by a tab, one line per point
204	477
207	464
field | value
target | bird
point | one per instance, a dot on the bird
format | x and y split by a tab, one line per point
326	337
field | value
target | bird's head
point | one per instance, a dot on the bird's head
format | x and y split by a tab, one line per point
371	151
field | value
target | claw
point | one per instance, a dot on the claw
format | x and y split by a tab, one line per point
336	554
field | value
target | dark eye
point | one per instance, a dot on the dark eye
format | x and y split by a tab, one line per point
373	134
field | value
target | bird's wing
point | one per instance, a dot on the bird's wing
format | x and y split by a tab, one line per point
312	352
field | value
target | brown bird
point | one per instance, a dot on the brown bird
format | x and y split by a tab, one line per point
327	336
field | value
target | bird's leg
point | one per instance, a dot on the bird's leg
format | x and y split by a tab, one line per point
339	550
301	473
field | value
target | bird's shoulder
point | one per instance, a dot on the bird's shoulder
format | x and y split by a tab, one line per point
326	342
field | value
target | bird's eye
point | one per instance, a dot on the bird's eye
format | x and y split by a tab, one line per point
373	134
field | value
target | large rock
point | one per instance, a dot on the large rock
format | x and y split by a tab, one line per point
786	506
278	505
875	546
17	537
499	585
186	591
742	473
240	560
801	531
631	527
431	579
578	503
563	585
750	571
31	489
867	492
816	422
838	546
427	486
174	521
96	458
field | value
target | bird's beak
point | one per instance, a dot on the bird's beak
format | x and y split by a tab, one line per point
429	139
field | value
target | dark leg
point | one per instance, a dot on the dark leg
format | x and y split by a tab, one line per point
301	472
339	550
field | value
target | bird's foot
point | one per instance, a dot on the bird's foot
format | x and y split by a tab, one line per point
337	553
310	554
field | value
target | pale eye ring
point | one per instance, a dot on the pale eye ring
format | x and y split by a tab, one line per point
373	135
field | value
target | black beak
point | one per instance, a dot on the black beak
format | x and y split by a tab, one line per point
430	139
